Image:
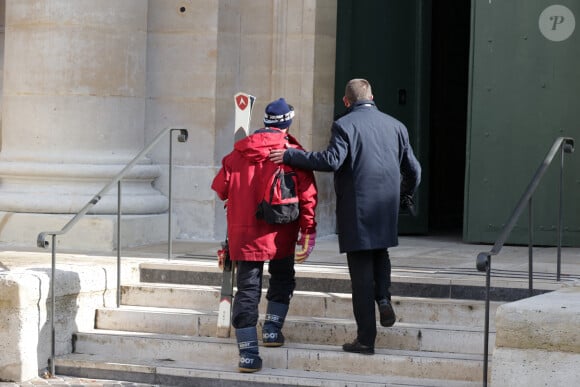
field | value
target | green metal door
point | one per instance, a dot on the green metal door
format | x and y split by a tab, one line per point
525	88
387	43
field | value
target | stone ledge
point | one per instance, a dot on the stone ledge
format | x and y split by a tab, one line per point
531	368
538	341
546	322
25	310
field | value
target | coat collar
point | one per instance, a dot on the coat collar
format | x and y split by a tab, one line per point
361	104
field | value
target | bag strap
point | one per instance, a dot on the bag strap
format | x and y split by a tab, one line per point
279	171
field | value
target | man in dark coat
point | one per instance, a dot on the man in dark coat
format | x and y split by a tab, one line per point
374	167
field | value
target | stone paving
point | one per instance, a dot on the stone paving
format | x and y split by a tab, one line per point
75	382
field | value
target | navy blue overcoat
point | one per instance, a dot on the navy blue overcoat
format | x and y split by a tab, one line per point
373	164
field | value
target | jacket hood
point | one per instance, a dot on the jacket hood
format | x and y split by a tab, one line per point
257	146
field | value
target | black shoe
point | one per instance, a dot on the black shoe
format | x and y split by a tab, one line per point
357	347
387	314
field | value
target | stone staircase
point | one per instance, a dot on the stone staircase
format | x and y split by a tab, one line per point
164	334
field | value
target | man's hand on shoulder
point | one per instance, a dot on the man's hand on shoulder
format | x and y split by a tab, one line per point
277	155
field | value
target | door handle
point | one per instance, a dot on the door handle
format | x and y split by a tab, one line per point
402	96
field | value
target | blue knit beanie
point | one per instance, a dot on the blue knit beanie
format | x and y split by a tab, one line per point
279	114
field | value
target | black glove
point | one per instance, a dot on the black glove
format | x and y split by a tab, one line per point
407	203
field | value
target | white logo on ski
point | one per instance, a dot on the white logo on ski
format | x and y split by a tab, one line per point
243	105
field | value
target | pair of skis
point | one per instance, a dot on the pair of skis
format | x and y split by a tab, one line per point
243	103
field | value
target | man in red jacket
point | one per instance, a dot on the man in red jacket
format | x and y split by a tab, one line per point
244	177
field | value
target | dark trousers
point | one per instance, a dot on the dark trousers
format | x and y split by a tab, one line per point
249	283
370	275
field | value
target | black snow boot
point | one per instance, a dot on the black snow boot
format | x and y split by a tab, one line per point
250	361
272	331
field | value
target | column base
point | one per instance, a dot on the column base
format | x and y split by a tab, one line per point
91	233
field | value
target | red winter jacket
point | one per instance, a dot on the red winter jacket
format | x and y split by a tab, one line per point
242	180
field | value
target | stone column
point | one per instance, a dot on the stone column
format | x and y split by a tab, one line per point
73	117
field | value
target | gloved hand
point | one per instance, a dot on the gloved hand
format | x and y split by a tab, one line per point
221	256
407	203
307	242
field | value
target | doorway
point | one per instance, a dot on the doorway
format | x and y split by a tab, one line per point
450	39
416	56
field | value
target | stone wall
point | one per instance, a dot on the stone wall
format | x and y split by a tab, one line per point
200	55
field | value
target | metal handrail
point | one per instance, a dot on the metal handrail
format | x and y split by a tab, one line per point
42	241
483	262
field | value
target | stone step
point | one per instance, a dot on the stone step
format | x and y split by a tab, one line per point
165	331
298	329
187	374
214	354
171	373
315	304
459	283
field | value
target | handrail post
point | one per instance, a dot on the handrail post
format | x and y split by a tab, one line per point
118	243
530	247
484	262
567	146
170	195
560	217
182	137
53	301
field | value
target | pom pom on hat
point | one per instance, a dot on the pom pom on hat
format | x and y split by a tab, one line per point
279	114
